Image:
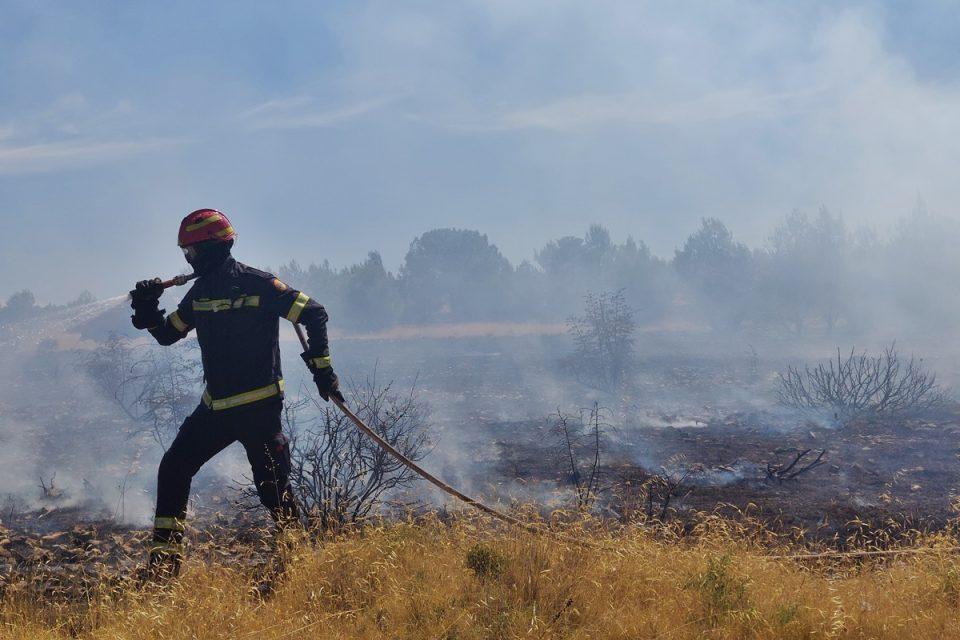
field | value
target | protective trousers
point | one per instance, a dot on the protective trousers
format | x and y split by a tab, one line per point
204	434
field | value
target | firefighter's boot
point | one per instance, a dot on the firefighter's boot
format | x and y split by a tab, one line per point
166	549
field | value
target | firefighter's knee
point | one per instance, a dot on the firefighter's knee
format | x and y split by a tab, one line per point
174	466
167	468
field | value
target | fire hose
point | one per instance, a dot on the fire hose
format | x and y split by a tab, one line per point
410	464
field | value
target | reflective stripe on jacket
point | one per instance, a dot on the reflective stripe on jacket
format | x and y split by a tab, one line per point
236	313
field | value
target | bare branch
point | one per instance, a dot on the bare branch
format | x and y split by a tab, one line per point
578	441
779	471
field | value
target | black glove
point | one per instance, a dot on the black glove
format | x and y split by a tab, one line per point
145	302
147	290
327	383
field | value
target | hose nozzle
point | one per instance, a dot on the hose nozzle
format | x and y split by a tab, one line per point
178	281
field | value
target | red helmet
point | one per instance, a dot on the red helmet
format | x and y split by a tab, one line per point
203	225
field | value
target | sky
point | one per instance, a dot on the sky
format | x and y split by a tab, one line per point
329	129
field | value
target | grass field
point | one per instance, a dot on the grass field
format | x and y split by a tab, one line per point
466	580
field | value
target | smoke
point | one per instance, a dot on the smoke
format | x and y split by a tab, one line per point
489	396
59	428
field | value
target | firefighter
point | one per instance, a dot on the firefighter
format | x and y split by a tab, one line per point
235	310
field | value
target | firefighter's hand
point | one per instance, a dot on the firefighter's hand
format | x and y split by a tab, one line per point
327	383
147	290
145	302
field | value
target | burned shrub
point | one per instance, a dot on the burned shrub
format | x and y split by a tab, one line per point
339	476
156	388
659	490
109	366
167	382
860	385
49	491
578	441
650	497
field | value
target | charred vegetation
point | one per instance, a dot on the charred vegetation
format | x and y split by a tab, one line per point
860	386
339	476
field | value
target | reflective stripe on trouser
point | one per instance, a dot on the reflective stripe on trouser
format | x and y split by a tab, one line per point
254	395
169	523
170	548
167	537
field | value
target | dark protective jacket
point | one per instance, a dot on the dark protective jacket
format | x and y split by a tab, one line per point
236	312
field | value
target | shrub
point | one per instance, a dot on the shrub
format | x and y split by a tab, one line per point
862	385
486	562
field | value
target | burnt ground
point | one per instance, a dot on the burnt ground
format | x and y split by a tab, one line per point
899	473
62	553
880	481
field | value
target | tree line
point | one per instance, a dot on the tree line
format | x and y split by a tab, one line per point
814	274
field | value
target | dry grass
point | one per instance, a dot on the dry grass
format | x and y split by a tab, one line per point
461	580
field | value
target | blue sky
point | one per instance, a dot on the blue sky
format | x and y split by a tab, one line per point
328	129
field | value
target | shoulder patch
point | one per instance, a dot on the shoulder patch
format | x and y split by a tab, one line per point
280	286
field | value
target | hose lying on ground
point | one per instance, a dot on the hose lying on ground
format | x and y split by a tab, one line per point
437	482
